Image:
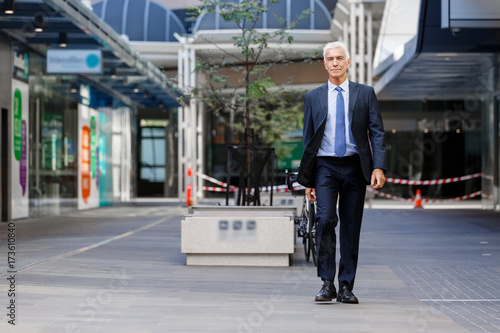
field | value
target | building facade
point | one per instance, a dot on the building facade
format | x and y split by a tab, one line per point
436	74
69	109
80	139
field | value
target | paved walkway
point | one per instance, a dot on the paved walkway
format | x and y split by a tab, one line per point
119	269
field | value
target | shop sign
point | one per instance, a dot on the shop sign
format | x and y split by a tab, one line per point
21	65
85	94
292	153
74	61
153	123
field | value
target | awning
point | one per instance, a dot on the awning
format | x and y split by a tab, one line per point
126	73
439	64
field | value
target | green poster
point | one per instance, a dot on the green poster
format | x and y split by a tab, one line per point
18	128
292	155
93	146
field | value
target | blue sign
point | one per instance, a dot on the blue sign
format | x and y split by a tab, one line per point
74	61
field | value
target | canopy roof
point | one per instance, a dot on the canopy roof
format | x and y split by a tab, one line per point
140	20
288	10
85	30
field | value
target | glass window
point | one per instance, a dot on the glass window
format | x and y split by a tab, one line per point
53	141
153	154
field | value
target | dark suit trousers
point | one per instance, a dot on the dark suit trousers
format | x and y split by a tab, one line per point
342	179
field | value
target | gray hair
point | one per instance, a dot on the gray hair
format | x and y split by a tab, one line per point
334	45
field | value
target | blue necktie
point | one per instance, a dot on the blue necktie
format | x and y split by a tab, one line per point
340	125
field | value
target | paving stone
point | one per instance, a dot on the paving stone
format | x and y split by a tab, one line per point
419	271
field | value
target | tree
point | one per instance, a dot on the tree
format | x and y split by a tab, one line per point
237	80
253	91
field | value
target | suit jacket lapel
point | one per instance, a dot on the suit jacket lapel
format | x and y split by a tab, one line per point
323	98
353	97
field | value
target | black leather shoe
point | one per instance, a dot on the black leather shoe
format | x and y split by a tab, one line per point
346	296
327	292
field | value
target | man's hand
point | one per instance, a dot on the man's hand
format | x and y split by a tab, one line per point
378	179
311	194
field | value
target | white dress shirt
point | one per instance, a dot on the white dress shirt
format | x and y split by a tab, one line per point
327	147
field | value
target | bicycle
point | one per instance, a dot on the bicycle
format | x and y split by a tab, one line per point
307	224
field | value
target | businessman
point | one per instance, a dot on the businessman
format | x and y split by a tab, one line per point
344	150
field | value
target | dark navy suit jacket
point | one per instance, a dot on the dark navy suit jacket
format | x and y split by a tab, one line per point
366	127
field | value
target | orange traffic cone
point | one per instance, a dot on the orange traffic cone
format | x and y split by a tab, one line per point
418	200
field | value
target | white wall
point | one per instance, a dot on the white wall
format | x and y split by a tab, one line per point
399	26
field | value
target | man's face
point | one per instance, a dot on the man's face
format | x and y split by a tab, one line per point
336	63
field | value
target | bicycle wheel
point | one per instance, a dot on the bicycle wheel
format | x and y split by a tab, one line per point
305	232
313	226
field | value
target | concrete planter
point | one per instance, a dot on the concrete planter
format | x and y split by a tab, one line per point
238	235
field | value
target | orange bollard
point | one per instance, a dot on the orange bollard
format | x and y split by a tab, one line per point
418	200
189	201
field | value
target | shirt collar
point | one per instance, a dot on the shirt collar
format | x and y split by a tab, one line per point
344	85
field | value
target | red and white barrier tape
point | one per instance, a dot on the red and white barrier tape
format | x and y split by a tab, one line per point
430	201
489	177
464	197
432	182
298	187
284	188
280	188
217	189
212	180
388	196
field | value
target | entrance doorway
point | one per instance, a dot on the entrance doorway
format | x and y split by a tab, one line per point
152	161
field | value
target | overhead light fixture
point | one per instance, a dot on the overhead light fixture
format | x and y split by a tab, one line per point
136	89
38	22
63	39
113	72
73	89
9	6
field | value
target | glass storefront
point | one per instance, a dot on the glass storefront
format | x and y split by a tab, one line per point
65	114
429	141
157	154
53	141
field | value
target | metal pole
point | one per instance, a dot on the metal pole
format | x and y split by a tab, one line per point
361	43
195	123
272	176
228	174
352	40
188	120
201	150
369	43
180	128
